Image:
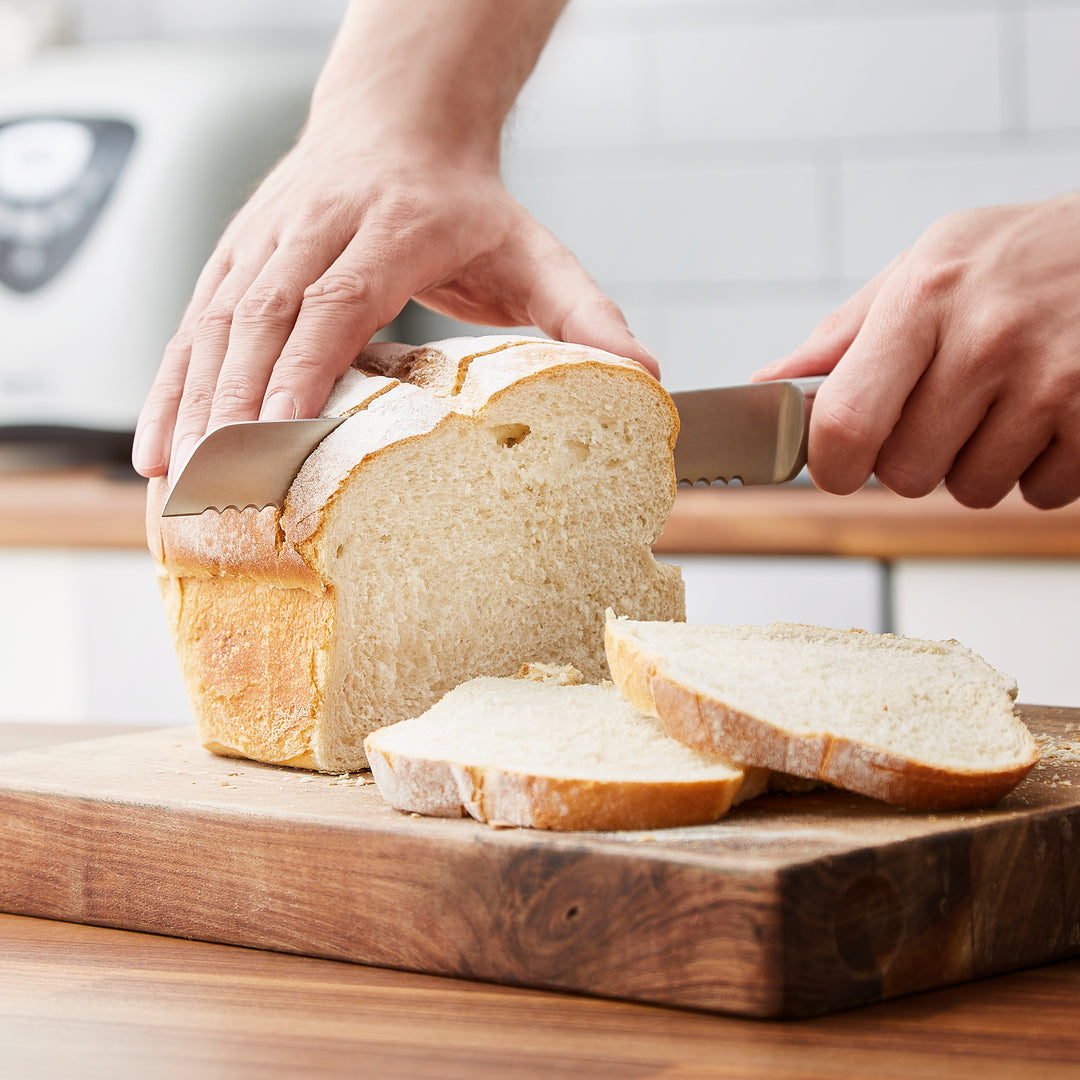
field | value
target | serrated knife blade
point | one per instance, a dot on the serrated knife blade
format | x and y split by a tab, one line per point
755	434
247	463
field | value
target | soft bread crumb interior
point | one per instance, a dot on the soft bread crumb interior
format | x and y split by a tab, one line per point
585	732
935	702
495	540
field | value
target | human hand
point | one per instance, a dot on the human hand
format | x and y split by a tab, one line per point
959	362
326	253
392	192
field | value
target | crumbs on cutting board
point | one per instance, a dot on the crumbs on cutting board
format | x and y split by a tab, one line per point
342	780
1056	751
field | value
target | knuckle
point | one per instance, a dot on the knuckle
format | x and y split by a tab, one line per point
178	347
233	395
319	208
840	423
931	281
166	391
997	333
195	407
275	301
836	324
214	323
341	287
403	206
1061	391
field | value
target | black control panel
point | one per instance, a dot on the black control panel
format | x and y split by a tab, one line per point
56	174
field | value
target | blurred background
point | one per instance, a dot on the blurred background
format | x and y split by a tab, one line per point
728	170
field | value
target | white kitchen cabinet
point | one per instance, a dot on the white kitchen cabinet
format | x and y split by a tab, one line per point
84	638
1021	615
752	589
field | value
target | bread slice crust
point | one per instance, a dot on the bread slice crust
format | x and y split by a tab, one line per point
543	752
504	797
707	723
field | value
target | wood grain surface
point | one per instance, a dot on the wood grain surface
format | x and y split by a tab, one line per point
87	508
102	1004
98	1004
78	508
792	905
872	523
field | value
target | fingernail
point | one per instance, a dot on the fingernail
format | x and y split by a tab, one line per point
649	358
148	452
278	406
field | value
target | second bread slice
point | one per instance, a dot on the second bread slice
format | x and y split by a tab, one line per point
547	755
923	724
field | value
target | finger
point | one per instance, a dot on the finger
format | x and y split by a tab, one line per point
262	322
997	455
832	337
565	303
360	292
860	403
941	414
157	419
1053	479
208	344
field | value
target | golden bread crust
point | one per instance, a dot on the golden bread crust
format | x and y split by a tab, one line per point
712	727
505	797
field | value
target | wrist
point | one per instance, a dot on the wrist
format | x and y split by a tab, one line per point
424	77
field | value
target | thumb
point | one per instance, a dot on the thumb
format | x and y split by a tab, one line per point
566	304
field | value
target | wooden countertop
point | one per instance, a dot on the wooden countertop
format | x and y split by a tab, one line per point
92	1002
85	508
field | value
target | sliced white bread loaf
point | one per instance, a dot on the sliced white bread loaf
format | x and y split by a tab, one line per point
548	754
924	724
484	503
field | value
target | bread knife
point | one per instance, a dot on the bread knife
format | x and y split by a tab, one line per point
754	433
246	463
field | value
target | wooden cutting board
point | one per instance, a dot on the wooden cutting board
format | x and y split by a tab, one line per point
791	906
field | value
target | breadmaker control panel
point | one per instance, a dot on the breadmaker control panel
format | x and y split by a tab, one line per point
56	174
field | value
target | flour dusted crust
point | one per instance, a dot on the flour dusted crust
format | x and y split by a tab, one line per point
265	606
702	720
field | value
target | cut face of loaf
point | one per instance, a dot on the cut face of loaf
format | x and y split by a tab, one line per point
484	503
917	723
549	755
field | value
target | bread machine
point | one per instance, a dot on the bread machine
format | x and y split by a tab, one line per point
119	166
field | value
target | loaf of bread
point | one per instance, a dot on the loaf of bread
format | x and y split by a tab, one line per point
482	505
923	724
539	750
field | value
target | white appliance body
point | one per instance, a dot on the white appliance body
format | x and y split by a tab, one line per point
119	167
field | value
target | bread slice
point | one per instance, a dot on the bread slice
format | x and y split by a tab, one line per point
482	505
924	724
547	754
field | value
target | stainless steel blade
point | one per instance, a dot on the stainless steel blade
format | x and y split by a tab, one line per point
249	463
755	433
